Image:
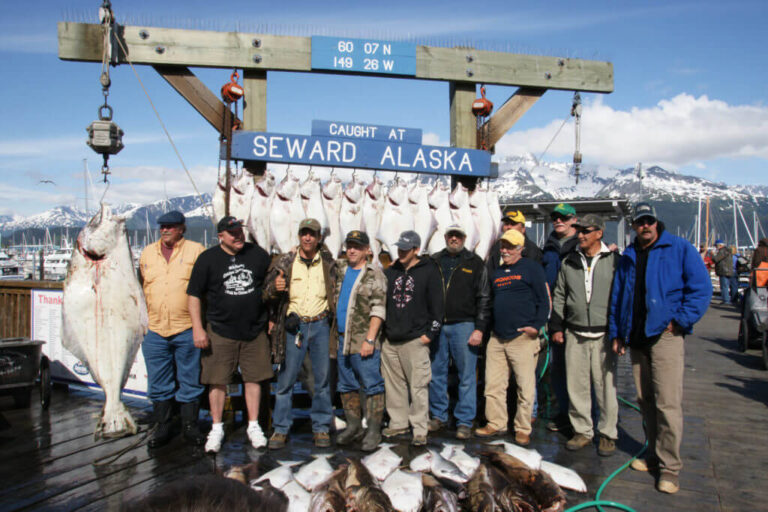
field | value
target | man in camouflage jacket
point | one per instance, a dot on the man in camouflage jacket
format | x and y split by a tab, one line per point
360	299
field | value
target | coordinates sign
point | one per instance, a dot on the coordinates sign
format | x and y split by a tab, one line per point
363	56
360	154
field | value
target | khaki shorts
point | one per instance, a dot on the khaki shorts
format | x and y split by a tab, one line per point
220	361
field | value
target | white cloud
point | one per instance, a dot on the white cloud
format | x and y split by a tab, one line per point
683	130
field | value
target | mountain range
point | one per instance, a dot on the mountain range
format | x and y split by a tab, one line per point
521	178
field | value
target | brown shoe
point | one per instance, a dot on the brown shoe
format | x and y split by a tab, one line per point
643	465
668	483
578	442
394	432
435	424
321	439
522	439
606	446
277	441
419	440
488	431
463	432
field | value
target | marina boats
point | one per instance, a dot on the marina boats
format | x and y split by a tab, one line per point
10	267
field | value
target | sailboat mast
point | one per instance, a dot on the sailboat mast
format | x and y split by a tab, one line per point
706	238
698	224
735	226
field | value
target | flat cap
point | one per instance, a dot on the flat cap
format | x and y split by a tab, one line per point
172	217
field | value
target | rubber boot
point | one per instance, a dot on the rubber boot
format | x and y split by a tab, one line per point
354	430
189	413
163	430
374	407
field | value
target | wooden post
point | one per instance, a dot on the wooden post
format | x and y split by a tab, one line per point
463	122
255	111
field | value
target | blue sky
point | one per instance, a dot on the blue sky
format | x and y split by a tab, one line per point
690	88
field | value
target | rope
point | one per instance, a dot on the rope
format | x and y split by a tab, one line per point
553	139
167	134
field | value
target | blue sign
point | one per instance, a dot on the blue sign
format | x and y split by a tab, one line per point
363	56
360	154
344	130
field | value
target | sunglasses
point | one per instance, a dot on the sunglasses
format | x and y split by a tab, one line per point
587	231
644	221
560	217
454	234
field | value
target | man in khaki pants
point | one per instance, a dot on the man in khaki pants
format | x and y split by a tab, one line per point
520	309
580	303
660	290
414	315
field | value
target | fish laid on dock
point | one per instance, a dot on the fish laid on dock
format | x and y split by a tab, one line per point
104	316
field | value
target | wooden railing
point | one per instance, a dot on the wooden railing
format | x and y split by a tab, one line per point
15	306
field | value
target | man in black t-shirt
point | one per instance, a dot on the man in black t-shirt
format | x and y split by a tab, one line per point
230	278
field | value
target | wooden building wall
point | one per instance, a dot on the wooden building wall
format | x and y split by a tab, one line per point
15	306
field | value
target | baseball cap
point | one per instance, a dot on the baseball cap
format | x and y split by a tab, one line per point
172	217
408	240
513	237
228	223
590	220
311	224
455	228
357	237
643	210
514	216
719	242
565	209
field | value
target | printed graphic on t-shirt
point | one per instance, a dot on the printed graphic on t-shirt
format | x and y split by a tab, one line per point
238	280
402	293
506	281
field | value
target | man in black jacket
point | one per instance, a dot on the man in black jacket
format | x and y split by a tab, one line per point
467	309
513	219
414	314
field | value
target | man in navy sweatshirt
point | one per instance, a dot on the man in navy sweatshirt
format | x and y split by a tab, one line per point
414	316
520	309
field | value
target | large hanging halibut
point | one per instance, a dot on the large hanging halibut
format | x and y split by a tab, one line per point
104	314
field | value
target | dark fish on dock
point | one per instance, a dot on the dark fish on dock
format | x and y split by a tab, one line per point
362	490
329	496
547	494
436	497
104	315
481	493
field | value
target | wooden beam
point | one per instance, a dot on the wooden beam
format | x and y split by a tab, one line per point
152	45
195	92
510	112
463	121
255	110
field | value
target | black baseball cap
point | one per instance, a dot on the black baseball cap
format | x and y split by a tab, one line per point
228	223
643	210
357	237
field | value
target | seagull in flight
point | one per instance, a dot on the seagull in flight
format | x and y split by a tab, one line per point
48	181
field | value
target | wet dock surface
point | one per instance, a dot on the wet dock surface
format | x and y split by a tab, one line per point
48	455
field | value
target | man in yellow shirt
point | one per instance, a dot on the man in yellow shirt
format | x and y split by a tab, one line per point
173	362
300	288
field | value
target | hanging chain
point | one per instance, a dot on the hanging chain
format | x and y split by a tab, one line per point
105	111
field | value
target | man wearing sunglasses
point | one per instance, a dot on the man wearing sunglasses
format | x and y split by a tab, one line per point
660	290
580	315
561	242
513	219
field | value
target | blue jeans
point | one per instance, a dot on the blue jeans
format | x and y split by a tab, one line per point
314	337
173	367
453	340
726	290
354	370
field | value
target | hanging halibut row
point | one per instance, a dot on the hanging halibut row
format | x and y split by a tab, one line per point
272	211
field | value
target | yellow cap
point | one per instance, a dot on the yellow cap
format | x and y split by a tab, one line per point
513	237
515	216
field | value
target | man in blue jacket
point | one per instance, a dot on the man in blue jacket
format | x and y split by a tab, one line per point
661	289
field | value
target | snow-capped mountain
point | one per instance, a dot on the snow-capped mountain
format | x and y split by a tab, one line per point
525	179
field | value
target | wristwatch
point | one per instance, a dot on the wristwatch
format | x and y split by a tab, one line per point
372	342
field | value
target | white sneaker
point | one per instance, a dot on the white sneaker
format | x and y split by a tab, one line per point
213	443
256	436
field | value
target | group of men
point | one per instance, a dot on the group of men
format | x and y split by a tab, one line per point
394	332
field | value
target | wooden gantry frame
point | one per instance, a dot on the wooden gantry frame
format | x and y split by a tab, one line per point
173	51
